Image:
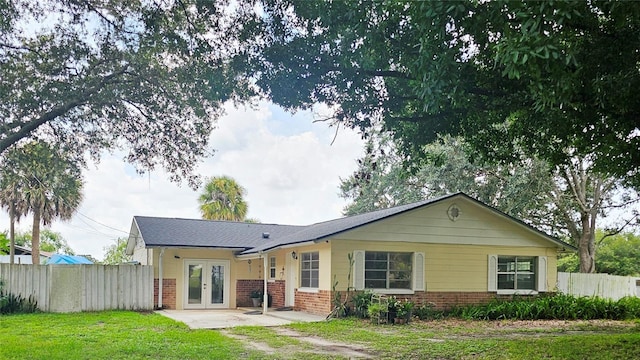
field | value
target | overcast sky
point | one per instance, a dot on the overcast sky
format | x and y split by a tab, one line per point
286	163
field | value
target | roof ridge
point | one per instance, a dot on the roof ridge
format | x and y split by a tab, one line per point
213	221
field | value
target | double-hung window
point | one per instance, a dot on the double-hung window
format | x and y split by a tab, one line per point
272	267
516	273
309	269
387	270
510	274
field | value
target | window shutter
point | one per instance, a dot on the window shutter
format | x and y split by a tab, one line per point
358	269
492	278
418	272
542	273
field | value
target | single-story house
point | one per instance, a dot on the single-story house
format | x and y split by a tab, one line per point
450	250
22	255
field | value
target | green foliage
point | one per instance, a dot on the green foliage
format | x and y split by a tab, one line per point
377	311
361	301
381	180
616	255
15	304
619	254
552	307
4	243
47	182
560	201
116	253
428	312
50	241
569	262
547	77
117	74
223	199
401	309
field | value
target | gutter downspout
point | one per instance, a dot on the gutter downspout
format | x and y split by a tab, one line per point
160	278
265	296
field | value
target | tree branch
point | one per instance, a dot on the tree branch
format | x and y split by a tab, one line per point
30	126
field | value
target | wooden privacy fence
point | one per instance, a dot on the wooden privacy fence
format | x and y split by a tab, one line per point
601	285
73	288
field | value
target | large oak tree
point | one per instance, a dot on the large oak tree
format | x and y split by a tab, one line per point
549	77
145	76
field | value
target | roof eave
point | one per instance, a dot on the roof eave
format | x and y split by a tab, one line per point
281	246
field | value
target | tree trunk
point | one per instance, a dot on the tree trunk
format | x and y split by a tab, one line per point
12	234
587	244
35	238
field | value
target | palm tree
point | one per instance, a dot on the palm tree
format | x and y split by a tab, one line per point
10	199
222	199
47	185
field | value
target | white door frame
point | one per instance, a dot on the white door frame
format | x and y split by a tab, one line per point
206	283
291	267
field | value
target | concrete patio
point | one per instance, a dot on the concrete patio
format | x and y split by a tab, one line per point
219	319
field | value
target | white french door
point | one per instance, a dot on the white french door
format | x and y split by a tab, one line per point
291	266
206	284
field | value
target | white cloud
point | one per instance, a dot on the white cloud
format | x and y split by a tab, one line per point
288	166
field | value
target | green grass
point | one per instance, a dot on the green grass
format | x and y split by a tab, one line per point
130	335
456	339
111	335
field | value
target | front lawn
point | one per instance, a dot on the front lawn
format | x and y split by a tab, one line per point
111	335
131	335
461	339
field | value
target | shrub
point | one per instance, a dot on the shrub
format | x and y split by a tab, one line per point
361	301
428	311
10	303
377	312
552	307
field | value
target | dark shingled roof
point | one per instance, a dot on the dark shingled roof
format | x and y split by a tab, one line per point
332	227
248	238
172	232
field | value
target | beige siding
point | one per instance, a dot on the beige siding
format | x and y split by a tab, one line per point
475	226
324	252
447	267
253	269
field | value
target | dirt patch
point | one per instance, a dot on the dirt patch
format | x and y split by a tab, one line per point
328	347
252	344
318	345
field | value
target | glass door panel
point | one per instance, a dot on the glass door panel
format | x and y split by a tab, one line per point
195	284
217	282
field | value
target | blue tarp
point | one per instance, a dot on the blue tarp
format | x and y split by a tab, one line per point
68	259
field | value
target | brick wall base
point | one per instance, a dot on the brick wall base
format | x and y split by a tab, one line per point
314	303
244	288
321	303
168	293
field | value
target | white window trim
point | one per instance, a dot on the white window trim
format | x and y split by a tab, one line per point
308	290
541	274
517	292
393	291
274	268
300	270
359	274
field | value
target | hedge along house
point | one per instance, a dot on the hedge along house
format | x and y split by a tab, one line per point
449	251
